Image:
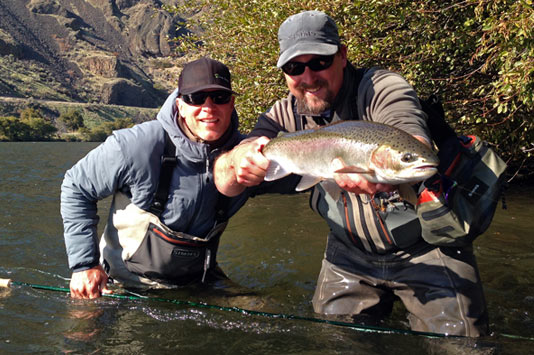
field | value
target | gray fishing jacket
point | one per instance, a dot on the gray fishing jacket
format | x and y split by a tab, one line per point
129	161
355	221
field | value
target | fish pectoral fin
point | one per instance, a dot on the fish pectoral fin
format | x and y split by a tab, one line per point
332	188
307	181
275	171
407	192
353	170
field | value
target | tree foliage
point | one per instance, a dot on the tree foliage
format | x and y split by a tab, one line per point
72	119
11	129
100	132
31	126
476	54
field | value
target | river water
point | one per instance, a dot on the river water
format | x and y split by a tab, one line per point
273	248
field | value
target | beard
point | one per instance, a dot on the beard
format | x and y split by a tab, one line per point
314	105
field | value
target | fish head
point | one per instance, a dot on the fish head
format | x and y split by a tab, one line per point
399	164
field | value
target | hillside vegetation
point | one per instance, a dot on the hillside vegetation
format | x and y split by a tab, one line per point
106	60
478	55
99	51
37	120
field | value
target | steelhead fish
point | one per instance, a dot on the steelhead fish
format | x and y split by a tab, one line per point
379	152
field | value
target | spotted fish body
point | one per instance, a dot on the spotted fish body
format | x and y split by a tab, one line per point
381	153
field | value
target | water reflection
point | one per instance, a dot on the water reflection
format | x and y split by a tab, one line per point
85	328
4	293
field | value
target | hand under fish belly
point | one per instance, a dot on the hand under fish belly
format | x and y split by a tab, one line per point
380	153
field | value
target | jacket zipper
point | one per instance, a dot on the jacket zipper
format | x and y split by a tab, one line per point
174	241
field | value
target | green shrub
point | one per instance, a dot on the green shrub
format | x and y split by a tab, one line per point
11	129
31	126
72	119
37	126
100	132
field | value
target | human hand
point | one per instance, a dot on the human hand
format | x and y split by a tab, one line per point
356	183
89	283
249	163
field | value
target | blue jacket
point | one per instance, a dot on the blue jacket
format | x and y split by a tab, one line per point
129	161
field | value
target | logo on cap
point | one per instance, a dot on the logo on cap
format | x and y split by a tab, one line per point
217	76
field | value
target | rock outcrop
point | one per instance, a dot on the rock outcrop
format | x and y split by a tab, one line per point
96	50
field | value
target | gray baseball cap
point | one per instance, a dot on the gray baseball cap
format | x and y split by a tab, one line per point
308	32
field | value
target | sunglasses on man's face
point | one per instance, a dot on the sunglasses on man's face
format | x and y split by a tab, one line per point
316	64
198	98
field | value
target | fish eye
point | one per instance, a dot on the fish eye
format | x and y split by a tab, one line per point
407	157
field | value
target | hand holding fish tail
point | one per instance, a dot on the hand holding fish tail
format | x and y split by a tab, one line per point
243	166
356	183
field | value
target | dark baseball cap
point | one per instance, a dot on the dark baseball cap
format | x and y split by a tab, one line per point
308	32
204	73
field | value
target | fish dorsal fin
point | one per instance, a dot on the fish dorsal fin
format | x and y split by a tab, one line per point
354	170
307	181
275	171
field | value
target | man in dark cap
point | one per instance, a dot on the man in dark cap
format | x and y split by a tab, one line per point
166	216
368	262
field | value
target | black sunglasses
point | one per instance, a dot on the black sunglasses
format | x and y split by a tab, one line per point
316	64
198	98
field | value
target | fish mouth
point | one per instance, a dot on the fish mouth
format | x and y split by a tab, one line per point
426	167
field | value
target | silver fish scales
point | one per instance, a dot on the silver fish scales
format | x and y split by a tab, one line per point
379	152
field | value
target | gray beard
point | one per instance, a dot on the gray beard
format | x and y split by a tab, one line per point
303	107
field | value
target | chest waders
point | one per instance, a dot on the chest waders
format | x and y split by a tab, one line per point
138	250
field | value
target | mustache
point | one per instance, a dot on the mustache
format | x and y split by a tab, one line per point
315	84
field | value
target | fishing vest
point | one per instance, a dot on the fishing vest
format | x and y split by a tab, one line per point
387	223
377	225
138	250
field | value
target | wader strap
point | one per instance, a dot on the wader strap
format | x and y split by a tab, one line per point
222	206
168	162
358	77
354	104
299	125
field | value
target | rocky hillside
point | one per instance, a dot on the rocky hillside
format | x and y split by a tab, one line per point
100	51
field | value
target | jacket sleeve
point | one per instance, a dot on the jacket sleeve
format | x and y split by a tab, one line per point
279	118
266	126
386	97
94	177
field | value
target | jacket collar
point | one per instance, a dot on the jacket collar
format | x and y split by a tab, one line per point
192	150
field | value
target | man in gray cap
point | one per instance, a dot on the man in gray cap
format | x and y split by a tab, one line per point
167	216
366	266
